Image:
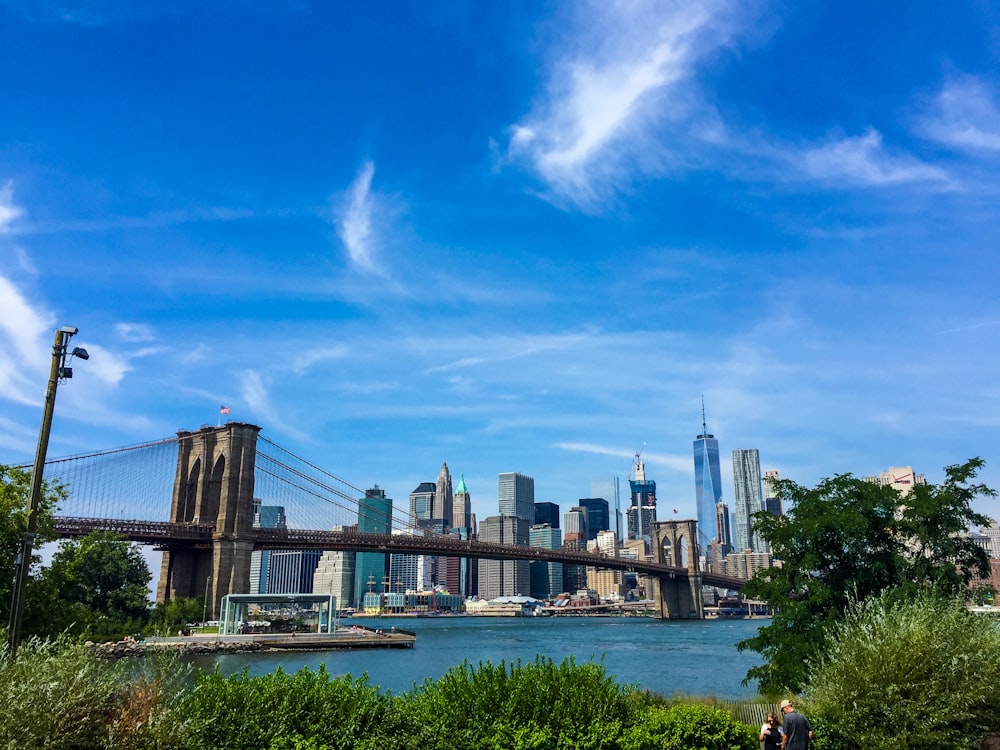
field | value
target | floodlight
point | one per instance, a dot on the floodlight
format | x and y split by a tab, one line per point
71	330
80	353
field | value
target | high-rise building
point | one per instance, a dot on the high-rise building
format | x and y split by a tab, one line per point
464	525
422	502
747	498
264	517
900	478
598	515
517	498
772	500
707	482
335	575
461	507
723	531
546	577
642	509
547	513
291	571
409	572
443	497
504	577
374	517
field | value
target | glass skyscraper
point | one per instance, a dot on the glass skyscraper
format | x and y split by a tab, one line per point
517	498
748	497
374	517
707	484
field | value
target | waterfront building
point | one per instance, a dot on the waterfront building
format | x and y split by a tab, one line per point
745	563
546	577
707	482
517	498
374	517
443	497
642	507
291	571
422	502
264	517
772	498
335	575
575	539
748	498
609	584
409	572
900	478
547	513
598	515
504	577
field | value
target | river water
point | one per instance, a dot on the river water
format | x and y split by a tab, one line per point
675	656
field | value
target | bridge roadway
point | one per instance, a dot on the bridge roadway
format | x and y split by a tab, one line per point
167	534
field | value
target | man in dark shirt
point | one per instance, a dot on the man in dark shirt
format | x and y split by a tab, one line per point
798	730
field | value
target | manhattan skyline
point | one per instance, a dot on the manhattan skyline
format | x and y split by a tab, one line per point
519	238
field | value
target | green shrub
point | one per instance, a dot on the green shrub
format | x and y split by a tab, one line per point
916	673
688	726
540	704
280	711
57	695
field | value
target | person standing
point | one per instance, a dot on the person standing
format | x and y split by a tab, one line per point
798	730
771	734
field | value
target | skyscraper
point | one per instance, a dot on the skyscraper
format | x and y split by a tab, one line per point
517	498
463	524
422	502
546	577
747	498
598	515
504	577
374	517
335	575
642	509
547	513
264	517
443	498
772	500
461	507
707	483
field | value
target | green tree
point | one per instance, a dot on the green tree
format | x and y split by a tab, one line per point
170	616
103	580
15	485
847	539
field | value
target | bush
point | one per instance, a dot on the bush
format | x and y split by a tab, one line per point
688	726
57	695
917	673
279	711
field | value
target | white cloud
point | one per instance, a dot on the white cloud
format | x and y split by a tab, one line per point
134	332
609	90
964	116
8	211
24	350
682	464
863	160
304	361
355	221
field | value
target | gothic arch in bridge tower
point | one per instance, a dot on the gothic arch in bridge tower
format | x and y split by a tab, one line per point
674	543
213	485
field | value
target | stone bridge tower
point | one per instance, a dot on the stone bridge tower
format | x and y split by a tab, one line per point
675	543
214	485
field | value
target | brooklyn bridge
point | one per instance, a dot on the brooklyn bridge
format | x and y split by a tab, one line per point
192	496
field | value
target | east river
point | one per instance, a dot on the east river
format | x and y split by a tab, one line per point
680	656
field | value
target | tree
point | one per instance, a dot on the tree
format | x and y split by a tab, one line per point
15	486
103	580
170	616
847	539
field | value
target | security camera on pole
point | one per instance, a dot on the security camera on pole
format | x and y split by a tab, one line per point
59	371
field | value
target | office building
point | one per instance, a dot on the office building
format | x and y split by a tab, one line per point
598	515
504	577
462	507
443	497
517	498
547	513
723	529
707	483
422	502
264	517
641	512
772	497
546	577
464	525
291	571
900	478
747	498
335	575
372	568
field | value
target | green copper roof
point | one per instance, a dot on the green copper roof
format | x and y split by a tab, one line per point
461	486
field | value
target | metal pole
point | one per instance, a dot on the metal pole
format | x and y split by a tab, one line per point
35	494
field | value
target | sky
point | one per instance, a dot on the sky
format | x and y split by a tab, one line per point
511	236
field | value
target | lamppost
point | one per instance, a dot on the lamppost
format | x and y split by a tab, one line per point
59	371
208	586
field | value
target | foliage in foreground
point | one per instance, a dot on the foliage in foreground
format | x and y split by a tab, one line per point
57	696
848	539
921	672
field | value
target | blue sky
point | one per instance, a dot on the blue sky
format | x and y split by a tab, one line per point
513	236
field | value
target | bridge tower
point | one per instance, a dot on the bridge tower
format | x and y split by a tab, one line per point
214	485
675	543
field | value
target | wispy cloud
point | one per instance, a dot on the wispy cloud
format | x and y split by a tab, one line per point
8	211
135	332
257	397
23	329
677	463
963	115
863	160
306	360
608	90
354	221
